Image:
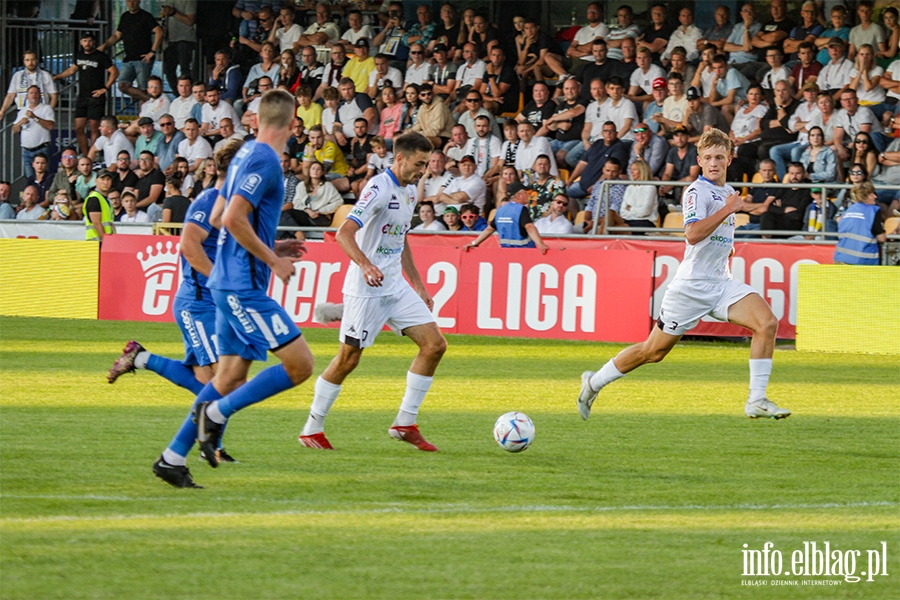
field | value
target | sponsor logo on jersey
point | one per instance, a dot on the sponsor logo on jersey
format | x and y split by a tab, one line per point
393	205
251	184
399	229
388	251
199	216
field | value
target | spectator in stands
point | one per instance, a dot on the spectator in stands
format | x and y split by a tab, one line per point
653	109
890	16
718	33
286	33
34	122
474	109
500	85
193	148
391	115
358	156
149	137
681	164
214	112
655	37
25	78
331	74
198	92
471	219
132	214
175	205
467	188
539	55
835	76
838	28
451	219
856	174
626	30
309	111
224	77
446	32
703	76
600	67
544	185
867	32
814	106
314	201
310	69
61	210
530	148
861	229
417	69
556	222
248	120
592	164
426	214
114	197
484	147
675	106
329	114
181	37
865	78
167	147
383	75
889	174
297	146
150	185
507	176
433	119
270	67
650	148
421	31
360	66
30	209
228	133
455	149
136	27
565	127
322	32
436	176
85	181
728	86
122	175
806	70
540	108
775	30
513	223
484	36
466	27
787	211
66	175
583	43
776	123
156	105
639	204
642	78
849	121
206	177
442	75
41	178
807	31
620	110
254	32
380	160
110	142
628	63
678	64
96	74
820	158
352	106
686	35
776	72
356	32
594	118
289	178
863	152
318	149
745	133
390	39
469	76
758	200
701	116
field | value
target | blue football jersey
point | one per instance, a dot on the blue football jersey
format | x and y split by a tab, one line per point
194	285
255	174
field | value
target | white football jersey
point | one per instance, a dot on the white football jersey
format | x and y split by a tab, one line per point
383	212
708	258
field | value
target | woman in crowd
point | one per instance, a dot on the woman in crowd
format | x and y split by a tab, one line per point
391	116
639	204
745	133
507	176
270	66
410	107
207	177
865	153
892	28
466	29
315	200
819	160
856	174
289	76
181	169
864	78
429	222
483	36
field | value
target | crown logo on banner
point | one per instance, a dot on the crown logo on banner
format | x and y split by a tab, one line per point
161	261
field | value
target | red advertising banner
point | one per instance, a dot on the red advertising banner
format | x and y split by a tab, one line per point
592	289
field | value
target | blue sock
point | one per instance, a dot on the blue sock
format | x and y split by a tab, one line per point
175	372
184	440
267	383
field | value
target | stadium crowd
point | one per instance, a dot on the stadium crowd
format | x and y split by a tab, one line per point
805	99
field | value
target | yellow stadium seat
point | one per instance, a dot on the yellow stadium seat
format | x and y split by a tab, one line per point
564	174
890	224
579	218
741	219
674	220
340	215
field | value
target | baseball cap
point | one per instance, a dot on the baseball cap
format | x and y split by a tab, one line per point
659	82
693	93
104	173
679	129
810	85
440	48
514	188
451	209
836	41
467	158
362	43
815	191
145	121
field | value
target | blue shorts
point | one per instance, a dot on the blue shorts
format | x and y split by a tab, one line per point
135	69
197	321
249	324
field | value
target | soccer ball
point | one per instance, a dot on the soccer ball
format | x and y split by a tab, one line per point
514	431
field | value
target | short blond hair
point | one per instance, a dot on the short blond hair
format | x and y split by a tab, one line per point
862	191
276	109
715	137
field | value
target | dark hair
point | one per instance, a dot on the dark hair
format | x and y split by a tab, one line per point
796	164
720	59
469	207
174	181
40	155
155	78
191	120
363	119
412	142
184	76
613	161
616	80
143	152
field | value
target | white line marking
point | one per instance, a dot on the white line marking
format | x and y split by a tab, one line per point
401	509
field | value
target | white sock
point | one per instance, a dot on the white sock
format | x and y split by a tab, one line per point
416	388
173	459
606	375
325	395
140	360
212	411
760	369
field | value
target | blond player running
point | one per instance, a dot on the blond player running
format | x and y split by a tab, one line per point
376	294
703	286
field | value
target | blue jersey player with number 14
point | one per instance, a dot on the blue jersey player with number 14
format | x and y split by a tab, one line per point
703	286
249	324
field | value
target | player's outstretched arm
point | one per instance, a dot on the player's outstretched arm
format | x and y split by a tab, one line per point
700	230
346	237
237	221
412	273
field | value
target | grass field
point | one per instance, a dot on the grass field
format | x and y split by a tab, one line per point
654	497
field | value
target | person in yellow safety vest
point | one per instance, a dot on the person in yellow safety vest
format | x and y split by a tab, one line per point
98	215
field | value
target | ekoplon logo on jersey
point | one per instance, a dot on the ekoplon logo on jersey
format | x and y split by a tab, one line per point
160	268
251	184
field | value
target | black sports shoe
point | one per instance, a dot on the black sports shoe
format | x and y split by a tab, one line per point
175	475
208	434
224	457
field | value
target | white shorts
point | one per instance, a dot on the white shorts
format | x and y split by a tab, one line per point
365	317
687	301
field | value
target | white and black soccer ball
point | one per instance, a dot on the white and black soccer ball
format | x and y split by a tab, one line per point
514	431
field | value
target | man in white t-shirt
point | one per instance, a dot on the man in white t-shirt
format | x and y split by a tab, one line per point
213	112
556	222
436	176
193	147
850	120
703	286
111	142
357	31
584	39
417	69
285	33
383	75
22	80
642	78
376	294
469	74
180	108
467	188
154	107
530	147
35	121
620	110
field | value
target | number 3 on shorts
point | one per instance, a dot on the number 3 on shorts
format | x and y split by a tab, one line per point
278	326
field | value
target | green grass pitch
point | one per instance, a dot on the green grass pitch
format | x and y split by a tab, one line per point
653	497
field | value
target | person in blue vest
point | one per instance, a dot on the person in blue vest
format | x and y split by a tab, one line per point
512	222
861	229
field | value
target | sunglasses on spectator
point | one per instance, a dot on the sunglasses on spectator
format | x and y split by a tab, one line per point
167	124
640	129
563	202
473	99
856	172
415	52
861	141
425	93
469	216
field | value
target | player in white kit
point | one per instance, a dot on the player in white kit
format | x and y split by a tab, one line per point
703	286
375	293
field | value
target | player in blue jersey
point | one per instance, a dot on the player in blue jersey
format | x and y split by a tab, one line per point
193	308
249	324
703	286
376	294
